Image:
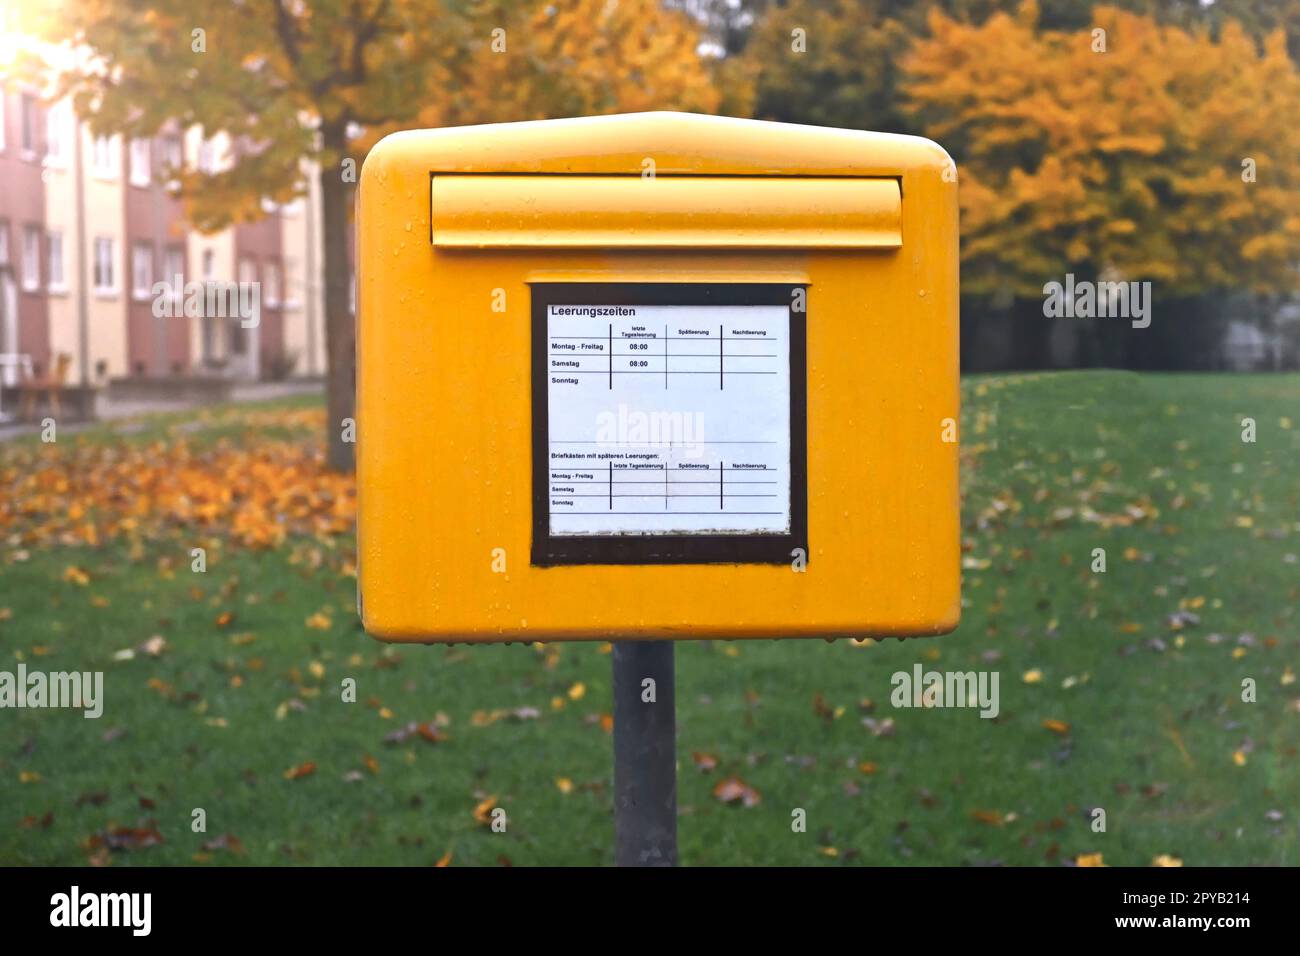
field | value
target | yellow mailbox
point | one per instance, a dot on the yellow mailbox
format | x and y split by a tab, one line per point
657	376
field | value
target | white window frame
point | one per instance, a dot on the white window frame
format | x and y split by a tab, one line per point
104	263
172	148
175	288
141	262
173	152
28	150
239	338
58	280
31	277
105	154
141	162
56	134
207	158
271	285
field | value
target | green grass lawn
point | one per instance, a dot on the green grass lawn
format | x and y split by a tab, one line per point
1119	690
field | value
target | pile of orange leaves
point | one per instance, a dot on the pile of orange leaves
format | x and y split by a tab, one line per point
256	495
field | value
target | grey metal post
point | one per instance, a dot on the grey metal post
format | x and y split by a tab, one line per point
645	755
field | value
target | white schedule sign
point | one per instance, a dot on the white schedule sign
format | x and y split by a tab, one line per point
668	419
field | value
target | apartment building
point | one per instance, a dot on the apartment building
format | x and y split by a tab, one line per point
24	301
88	226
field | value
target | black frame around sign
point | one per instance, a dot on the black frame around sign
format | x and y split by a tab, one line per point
549	551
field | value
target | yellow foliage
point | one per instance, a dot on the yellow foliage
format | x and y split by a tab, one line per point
581	58
1131	162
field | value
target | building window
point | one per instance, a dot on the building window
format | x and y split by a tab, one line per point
207	156
56	134
4	236
239	334
209	321
31	258
103	157
141	271
54	241
271	285
104	282
28	118
173	161
174	274
171	148
140	162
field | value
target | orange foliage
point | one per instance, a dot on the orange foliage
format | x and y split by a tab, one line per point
1128	159
253	494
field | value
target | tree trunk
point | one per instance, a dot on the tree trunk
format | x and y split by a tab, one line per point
340	325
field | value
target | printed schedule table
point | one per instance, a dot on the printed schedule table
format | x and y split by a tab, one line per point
668	419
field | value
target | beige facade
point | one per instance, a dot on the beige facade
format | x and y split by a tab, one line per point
105	255
63	253
304	308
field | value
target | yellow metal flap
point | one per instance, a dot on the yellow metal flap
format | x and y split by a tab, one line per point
665	212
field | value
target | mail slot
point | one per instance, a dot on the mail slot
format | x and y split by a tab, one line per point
656	376
680	212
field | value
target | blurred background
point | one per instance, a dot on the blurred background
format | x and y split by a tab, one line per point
1142	140
196	541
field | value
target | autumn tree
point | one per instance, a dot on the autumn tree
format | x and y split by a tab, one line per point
1144	152
826	63
839	62
1259	18
289	81
576	58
